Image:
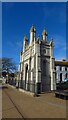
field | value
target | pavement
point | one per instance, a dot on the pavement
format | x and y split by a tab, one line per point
0	101
16	104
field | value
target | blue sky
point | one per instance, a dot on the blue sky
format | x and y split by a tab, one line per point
17	18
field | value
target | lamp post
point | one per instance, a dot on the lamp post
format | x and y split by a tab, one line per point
7	74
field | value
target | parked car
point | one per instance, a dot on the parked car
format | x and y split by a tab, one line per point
66	79
62	85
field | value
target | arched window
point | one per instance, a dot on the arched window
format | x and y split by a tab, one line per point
65	68
26	69
60	68
60	77
66	75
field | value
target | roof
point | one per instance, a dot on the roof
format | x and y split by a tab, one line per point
61	63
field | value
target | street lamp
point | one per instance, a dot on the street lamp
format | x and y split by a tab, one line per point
7	74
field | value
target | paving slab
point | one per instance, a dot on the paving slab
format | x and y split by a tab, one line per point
44	106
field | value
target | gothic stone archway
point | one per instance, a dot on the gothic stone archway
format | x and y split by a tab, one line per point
26	70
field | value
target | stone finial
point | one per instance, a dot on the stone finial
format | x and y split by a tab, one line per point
32	29
52	42
25	38
25	42
44	32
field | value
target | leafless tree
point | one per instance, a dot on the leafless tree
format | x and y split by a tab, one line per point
7	65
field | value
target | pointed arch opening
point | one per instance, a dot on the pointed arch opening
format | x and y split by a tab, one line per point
26	70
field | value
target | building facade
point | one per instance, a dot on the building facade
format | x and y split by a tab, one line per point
37	68
61	68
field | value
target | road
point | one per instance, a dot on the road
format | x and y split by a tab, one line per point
16	104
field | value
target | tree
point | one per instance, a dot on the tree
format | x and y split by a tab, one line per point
8	65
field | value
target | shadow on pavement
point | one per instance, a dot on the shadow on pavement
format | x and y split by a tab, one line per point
3	87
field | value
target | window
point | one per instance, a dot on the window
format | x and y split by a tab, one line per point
66	75
60	77
60	68
65	68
